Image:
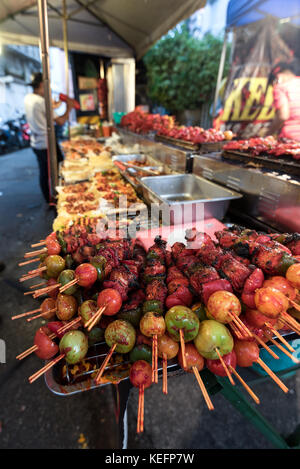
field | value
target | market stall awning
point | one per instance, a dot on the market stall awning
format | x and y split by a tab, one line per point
113	28
242	12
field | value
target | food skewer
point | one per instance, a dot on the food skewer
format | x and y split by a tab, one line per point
182	325
246	386
29	313
153	325
104	364
247	353
120	337
167	349
48	307
35	253
41	243
85	276
203	389
140	377
272	375
282	339
280	347
32	349
195	363
225	367
109	302
73	347
265	346
37	259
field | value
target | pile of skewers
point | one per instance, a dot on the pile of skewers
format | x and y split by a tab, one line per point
205	303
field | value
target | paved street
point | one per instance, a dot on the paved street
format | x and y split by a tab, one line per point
32	417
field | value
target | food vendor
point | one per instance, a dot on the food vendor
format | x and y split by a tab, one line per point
286	92
35	111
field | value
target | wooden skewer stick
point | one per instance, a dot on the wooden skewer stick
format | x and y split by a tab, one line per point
32	349
44	291
294	304
47	367
286	352
37	271
103	366
72	323
95	319
248	389
290	320
224	366
203	388
142	409
236	330
41	314
282	339
28	277
29	262
165	373
68	285
154	360
272	375
182	344
41	243
289	325
35	253
37	285
138	425
29	313
265	346
241	325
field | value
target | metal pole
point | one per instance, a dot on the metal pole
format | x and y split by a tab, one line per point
220	72
52	155
65	35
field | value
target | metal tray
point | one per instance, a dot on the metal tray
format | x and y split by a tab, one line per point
85	381
189	197
130	174
268	197
130	157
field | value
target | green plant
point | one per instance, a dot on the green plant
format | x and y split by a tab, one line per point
182	69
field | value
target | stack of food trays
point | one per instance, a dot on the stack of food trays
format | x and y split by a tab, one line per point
96	198
83	158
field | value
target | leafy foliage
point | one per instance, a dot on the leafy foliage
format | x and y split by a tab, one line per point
182	69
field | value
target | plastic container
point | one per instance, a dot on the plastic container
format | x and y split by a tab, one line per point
117	116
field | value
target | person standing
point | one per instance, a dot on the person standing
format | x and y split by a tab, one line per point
286	93
35	111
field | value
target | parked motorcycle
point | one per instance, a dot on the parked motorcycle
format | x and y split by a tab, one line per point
14	134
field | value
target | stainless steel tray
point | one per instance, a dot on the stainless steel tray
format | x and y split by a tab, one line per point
85	382
130	157
130	174
188	196
268	196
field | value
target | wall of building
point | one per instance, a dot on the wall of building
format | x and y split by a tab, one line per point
17	63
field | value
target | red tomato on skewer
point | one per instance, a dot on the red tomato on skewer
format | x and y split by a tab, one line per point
111	299
246	352
86	275
216	367
46	347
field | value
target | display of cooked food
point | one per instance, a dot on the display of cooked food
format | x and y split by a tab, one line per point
207	303
267	146
105	194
